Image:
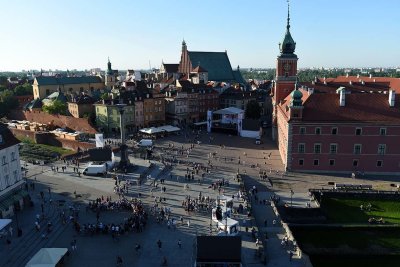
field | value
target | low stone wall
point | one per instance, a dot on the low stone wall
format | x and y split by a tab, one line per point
49	139
362	194
303	256
20	134
60	121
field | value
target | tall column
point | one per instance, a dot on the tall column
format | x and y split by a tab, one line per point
123	164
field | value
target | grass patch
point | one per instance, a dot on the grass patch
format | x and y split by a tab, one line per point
353	237
376	261
33	152
344	210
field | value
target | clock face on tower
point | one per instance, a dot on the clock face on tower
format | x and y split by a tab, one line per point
287	66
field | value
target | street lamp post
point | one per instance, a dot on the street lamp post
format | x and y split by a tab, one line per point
291	197
320	199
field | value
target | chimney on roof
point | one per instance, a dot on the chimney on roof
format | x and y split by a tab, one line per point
324	82
342	98
392	95
374	80
370	76
347	75
362	82
358	76
310	91
351	83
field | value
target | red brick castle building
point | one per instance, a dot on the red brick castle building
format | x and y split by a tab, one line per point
342	125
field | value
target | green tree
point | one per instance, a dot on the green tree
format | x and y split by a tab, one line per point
25	89
57	107
253	110
3	81
7	102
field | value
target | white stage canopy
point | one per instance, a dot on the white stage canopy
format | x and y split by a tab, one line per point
229	111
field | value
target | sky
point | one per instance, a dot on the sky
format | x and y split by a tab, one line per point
135	34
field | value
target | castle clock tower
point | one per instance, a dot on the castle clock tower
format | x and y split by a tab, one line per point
286	72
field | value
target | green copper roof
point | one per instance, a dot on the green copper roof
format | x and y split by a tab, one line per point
288	45
238	77
296	96
216	63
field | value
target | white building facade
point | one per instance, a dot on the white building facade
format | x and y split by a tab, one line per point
11	181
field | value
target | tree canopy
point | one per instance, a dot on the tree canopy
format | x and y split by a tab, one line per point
25	89
57	107
7	102
253	110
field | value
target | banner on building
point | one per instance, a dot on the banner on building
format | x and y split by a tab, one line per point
209	120
99	140
240	123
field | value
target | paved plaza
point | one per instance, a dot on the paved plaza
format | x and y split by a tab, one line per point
229	154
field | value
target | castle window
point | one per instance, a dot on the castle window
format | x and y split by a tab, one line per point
381	149
333	148
357	149
317	148
302	148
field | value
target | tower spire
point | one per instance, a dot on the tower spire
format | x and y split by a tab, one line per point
288	15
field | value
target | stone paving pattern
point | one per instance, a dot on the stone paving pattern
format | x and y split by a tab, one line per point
101	250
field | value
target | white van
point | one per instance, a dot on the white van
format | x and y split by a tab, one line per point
145	143
97	169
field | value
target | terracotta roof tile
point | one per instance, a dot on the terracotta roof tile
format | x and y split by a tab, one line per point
394	83
359	108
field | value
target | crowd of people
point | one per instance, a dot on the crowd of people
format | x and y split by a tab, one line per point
135	222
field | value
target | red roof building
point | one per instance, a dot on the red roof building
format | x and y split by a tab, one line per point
347	124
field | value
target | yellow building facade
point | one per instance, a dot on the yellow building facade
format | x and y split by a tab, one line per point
43	86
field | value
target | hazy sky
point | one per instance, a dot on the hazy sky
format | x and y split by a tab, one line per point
81	34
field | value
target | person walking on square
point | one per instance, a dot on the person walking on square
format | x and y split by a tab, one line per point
159	244
137	248
179	243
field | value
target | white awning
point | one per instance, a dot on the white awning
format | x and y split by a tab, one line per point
47	257
4	223
152	130
169	128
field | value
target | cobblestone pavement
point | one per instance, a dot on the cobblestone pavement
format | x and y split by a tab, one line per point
101	250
